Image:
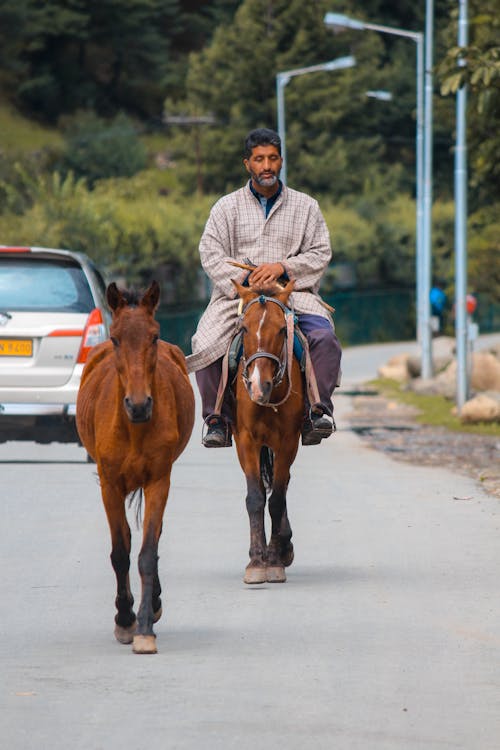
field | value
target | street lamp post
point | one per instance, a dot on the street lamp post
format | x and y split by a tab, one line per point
461	321
283	78
423	184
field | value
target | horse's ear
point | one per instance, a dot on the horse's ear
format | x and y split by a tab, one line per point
151	297
114	297
244	292
284	293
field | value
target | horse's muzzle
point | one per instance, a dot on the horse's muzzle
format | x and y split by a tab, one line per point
139	412
260	394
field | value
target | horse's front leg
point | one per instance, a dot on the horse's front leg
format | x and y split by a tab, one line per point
114	504
156	494
249	457
280	549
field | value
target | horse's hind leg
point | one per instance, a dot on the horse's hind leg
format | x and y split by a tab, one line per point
150	610
114	504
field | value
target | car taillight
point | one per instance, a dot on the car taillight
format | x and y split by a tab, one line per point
94	333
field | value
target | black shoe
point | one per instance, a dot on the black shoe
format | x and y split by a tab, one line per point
218	433
319	426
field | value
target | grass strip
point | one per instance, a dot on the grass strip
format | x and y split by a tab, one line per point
433	410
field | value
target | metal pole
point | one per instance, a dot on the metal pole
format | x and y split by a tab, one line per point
423	170
281	82
461	322
419	157
427	197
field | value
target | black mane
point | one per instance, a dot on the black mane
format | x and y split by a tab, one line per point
131	296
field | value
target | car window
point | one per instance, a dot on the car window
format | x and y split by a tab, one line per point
40	284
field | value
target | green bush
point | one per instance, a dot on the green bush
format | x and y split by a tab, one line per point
96	149
129	227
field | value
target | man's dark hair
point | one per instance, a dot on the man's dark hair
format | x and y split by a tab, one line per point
261	137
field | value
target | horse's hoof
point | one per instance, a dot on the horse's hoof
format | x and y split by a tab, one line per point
144	644
157	614
255	575
287	556
125	635
275	574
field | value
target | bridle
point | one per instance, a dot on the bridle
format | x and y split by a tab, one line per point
284	361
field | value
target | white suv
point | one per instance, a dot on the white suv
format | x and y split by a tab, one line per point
52	312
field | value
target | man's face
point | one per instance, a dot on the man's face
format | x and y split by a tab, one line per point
264	165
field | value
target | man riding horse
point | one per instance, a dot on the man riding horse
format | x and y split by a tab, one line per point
283	234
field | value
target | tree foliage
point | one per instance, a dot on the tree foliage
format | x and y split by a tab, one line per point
127	63
110	55
478	67
337	137
96	149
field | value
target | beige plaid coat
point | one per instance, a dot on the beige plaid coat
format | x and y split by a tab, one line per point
294	233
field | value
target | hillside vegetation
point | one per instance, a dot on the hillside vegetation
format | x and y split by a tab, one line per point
93	155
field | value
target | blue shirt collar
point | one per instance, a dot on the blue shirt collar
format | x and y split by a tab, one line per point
266	203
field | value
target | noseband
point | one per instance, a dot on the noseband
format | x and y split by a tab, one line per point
283	362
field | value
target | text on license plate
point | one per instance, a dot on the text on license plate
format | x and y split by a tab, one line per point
16	348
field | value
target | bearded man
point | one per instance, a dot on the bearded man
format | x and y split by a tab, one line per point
283	233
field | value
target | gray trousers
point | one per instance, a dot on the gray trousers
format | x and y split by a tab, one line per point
325	357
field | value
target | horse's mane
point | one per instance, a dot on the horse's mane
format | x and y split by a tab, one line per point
131	296
271	290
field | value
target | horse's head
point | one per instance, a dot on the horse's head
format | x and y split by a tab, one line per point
134	333
265	342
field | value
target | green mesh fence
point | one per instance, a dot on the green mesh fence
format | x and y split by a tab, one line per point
361	317
374	315
177	326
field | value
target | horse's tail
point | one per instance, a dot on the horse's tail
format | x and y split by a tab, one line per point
136	497
267	467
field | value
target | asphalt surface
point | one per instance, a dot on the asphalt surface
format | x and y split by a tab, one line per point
385	636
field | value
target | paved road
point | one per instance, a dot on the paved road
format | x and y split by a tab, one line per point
385	637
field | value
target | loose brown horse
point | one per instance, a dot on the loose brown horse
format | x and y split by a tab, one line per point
135	414
268	420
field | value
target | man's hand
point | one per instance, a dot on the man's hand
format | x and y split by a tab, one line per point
266	274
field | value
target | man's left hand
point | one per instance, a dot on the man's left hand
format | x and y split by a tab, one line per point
266	274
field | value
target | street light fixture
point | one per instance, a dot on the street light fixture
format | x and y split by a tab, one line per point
383	96
283	78
338	22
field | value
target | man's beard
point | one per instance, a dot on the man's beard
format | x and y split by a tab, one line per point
265	181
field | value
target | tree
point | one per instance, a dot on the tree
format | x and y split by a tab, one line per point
482	75
105	54
330	121
110	55
97	149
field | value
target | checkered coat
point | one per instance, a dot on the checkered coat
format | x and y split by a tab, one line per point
294	233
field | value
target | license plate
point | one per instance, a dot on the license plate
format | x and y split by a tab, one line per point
16	348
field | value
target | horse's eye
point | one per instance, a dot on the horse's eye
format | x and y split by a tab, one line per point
114	341
283	330
155	338
244	329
